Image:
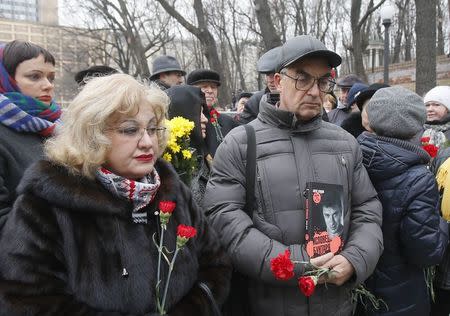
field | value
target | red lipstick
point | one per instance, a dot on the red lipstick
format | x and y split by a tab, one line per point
144	158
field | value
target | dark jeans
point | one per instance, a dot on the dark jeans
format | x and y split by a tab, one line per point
441	306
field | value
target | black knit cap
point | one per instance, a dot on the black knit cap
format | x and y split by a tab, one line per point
94	71
203	75
367	93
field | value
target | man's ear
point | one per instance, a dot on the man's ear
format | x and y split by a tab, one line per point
277	77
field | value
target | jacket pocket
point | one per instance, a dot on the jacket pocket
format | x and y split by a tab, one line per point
262	218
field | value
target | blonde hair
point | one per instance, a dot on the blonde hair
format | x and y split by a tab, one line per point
81	143
330	98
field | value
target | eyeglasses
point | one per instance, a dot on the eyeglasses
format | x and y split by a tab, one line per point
136	133
305	81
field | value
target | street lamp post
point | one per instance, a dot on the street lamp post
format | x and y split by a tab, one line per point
386	14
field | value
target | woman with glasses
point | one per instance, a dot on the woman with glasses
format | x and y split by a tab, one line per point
28	113
82	236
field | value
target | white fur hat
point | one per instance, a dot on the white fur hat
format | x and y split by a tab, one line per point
439	94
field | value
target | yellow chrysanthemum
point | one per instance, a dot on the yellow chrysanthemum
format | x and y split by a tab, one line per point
167	157
180	127
186	154
177	150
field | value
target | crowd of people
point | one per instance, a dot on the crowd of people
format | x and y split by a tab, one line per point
90	211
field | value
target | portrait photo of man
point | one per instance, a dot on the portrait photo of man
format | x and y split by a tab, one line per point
332	214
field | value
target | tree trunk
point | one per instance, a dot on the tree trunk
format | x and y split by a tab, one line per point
268	32
402	8
448	7
206	39
425	45
358	64
359	44
440	50
407	31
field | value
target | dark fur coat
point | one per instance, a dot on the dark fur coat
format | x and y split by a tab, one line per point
67	241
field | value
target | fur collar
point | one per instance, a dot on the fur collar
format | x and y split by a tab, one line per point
54	183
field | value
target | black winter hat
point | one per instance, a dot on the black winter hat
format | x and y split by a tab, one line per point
165	63
94	71
355	91
203	75
367	93
303	46
268	62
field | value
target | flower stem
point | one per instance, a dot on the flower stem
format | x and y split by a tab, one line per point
172	263
158	272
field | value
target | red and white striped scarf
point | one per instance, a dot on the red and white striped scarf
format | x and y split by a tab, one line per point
140	193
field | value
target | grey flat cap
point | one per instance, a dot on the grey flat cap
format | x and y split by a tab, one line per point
165	63
303	46
348	81
268	62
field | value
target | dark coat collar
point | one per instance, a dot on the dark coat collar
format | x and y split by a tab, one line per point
286	120
54	183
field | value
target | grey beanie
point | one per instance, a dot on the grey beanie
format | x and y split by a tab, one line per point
396	112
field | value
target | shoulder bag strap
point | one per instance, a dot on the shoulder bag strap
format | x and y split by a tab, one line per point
250	170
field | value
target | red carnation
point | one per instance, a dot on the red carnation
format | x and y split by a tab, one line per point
282	266
167	206
431	149
307	285
425	140
166	209
333	73
184	233
214	115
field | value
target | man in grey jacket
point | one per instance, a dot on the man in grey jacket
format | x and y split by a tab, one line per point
295	146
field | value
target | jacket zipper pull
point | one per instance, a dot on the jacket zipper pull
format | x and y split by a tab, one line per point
343	161
124	273
305	193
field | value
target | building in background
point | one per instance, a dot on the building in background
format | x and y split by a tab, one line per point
63	43
40	11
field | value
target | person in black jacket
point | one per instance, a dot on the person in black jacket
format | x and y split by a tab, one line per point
28	113
219	125
167	72
415	236
189	102
84	233
266	65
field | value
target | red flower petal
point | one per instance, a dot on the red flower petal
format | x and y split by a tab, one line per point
167	206
431	149
282	267
186	231
307	285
